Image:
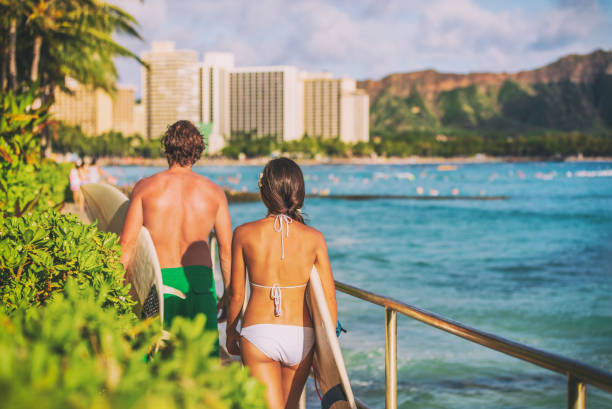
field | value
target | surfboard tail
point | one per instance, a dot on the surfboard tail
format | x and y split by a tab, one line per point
328	364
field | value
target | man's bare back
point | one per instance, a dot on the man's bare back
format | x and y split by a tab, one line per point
179	208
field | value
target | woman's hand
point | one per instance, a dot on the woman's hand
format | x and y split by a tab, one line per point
232	342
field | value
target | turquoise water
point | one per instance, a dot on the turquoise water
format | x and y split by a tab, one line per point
536	268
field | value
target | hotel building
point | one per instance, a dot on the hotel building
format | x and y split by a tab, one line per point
214	96
335	108
229	101
169	87
123	110
266	101
95	111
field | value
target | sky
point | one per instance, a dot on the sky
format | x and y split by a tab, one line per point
368	39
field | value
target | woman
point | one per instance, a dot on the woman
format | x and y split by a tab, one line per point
278	251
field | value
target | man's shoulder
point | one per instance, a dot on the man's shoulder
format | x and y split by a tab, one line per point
207	186
143	185
152	181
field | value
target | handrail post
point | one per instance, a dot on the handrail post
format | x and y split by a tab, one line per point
390	358
576	393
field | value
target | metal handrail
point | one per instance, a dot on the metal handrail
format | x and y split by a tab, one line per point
578	373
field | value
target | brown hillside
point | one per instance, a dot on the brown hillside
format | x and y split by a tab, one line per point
429	83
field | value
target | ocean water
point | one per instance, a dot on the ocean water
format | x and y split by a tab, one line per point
535	268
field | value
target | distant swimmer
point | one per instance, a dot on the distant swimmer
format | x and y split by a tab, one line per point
180	208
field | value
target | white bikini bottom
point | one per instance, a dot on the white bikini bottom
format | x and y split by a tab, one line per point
287	344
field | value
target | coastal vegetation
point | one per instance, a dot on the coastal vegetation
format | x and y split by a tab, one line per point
442	142
548	144
68	332
40	251
78	351
67	138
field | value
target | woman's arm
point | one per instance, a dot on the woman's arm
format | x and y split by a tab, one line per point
327	278
236	295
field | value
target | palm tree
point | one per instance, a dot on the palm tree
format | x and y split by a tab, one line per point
12	12
66	38
60	39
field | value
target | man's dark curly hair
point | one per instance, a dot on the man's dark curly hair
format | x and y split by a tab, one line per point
182	143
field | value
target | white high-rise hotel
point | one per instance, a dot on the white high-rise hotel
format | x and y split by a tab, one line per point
277	100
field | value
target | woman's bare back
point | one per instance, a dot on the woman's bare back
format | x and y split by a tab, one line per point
262	248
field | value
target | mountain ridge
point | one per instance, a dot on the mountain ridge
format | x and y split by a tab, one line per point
572	93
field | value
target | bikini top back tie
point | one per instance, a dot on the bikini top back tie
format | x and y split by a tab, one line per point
275	289
278	227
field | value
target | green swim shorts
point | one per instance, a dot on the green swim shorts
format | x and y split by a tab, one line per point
198	285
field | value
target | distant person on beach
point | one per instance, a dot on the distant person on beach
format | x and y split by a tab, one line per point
75	184
83	172
180	208
277	336
97	174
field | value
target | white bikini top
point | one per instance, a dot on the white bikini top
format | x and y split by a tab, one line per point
275	289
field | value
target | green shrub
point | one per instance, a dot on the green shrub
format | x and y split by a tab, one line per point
39	252
72	353
20	126
33	187
26	183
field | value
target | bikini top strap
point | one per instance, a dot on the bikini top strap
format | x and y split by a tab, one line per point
277	286
276	295
278	227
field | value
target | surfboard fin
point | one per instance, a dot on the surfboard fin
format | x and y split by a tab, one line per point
171	290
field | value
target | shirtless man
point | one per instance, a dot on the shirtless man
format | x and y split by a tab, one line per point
180	208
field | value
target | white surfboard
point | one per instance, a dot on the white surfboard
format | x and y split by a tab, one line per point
109	206
328	365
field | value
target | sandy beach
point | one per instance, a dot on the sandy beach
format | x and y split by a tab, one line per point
411	160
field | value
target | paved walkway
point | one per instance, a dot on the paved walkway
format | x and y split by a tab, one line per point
74	209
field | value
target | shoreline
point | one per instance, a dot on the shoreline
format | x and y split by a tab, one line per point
412	160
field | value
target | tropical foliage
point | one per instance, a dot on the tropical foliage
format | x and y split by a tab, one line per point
253	146
40	251
47	40
77	352
44	42
26	182
548	144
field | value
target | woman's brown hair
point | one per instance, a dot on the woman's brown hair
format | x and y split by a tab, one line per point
182	143
282	188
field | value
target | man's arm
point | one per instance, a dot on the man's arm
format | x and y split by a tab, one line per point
223	230
131	227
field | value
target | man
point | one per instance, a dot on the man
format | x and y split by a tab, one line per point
180	208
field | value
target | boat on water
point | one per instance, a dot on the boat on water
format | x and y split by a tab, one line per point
446	168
